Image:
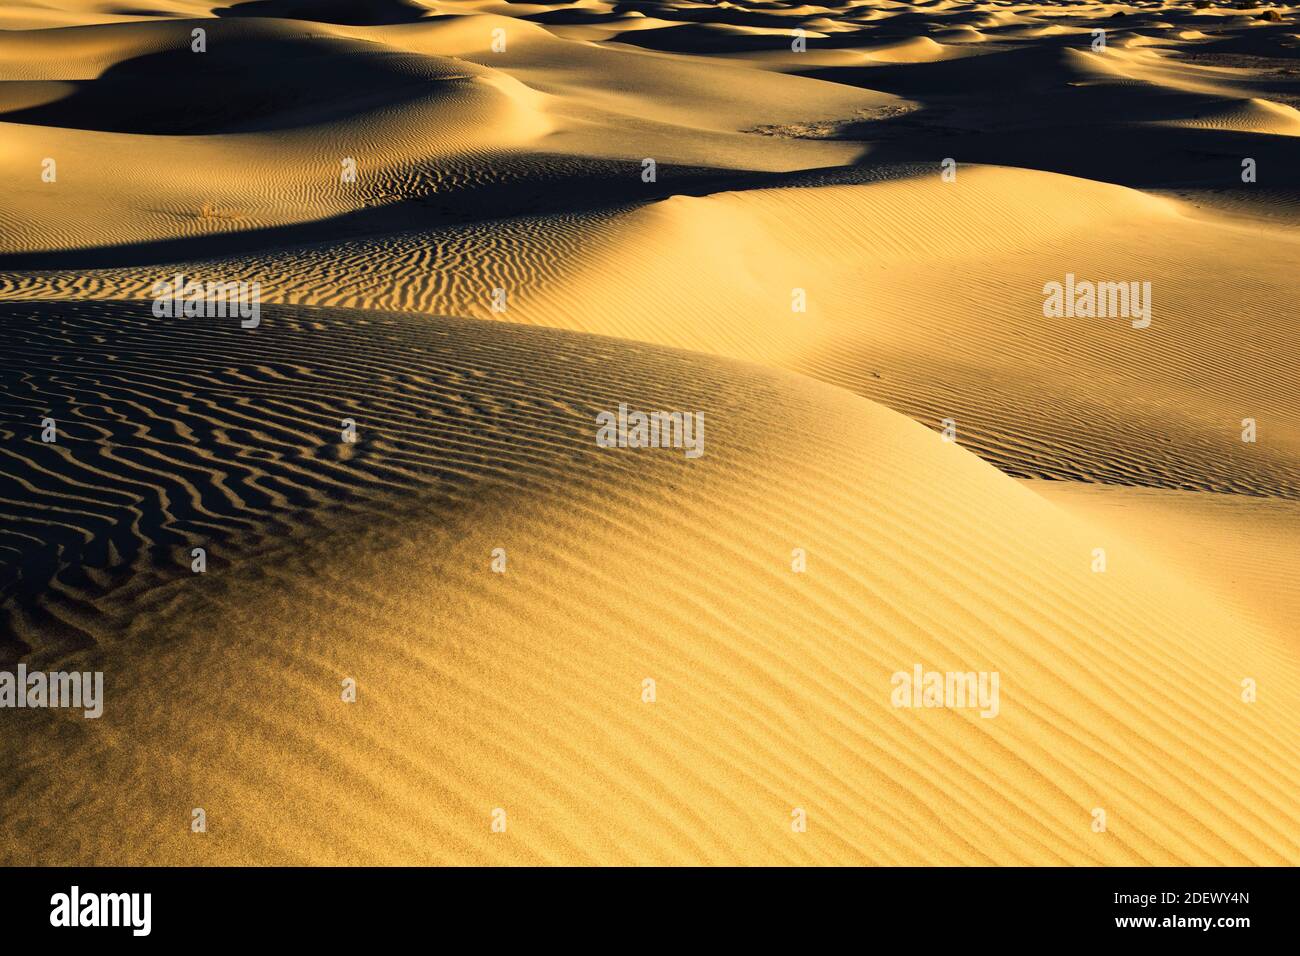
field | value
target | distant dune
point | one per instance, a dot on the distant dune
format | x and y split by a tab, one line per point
473	228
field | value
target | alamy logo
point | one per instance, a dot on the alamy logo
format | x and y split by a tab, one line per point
951	689
74	908
177	298
37	689
1092	300
651	430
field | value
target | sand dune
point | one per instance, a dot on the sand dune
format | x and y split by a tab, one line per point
480	691
1239	548
739	209
890	251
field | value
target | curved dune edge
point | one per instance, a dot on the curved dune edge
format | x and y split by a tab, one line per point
522	691
916	293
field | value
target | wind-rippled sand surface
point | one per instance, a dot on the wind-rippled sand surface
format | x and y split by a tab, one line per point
776	171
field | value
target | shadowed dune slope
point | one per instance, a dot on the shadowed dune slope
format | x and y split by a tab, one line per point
522	691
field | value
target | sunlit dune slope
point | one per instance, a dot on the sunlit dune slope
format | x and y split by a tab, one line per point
522	691
924	295
1243	549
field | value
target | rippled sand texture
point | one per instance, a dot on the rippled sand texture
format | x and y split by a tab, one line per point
776	173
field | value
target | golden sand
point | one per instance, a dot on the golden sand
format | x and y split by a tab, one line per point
569	654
